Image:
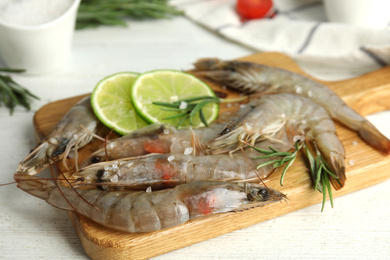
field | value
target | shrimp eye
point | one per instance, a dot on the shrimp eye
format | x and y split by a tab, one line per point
231	68
99	175
96	159
225	131
102	188
263	193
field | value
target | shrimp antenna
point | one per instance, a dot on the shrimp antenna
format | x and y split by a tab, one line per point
70	184
9	183
257	174
58	186
105	143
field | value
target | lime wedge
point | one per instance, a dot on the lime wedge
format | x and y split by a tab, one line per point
111	102
167	86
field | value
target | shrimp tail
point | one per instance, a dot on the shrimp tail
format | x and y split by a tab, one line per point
338	167
367	131
373	137
206	64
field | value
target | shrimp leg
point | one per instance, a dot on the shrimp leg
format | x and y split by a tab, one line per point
255	78
72	132
150	211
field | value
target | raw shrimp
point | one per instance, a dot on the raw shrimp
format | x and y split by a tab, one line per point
156	138
168	170
255	78
132	211
73	132
302	119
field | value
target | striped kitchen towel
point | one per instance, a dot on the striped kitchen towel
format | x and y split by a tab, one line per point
300	30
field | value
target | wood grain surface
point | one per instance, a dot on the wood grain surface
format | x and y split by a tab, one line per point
364	167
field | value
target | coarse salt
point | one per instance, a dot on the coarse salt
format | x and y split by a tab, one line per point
32	12
298	89
114	178
188	150
170	158
183	105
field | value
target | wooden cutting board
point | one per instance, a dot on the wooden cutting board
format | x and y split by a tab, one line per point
364	167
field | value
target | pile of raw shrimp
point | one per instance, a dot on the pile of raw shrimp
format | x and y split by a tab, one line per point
160	176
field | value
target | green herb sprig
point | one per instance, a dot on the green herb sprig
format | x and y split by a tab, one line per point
319	169
12	94
192	107
320	172
93	13
282	158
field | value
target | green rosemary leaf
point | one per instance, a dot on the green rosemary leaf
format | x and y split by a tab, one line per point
329	188
93	13
273	154
12	70
311	159
209	98
12	94
202	118
174	109
268	152
177	116
181	121
318	178
197	109
164	104
323	194
285	170
267	163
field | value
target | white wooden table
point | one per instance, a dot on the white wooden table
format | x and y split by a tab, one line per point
357	228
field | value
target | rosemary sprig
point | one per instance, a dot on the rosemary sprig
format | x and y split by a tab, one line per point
319	169
12	94
320	172
187	108
93	13
282	158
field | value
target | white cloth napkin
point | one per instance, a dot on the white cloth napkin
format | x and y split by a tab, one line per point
300	30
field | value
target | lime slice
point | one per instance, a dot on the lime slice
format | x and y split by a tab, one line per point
169	86
111	101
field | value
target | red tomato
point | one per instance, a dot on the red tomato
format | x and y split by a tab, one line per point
254	9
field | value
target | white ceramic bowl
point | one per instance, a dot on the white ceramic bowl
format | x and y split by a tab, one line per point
41	48
363	13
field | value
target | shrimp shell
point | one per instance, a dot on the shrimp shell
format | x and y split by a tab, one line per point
150	211
251	78
156	138
168	170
